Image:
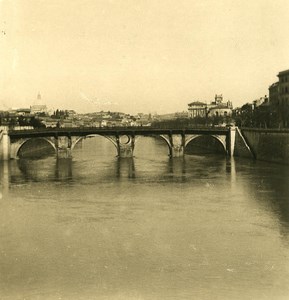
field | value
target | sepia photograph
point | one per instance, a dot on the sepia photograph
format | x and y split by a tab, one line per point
144	150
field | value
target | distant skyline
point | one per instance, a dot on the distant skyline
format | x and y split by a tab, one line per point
140	55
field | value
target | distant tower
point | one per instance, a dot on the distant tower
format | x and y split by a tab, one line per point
218	99
38	106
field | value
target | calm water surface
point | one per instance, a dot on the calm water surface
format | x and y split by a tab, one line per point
96	227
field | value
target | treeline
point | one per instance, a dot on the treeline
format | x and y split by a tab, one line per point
7	120
58	114
264	116
193	122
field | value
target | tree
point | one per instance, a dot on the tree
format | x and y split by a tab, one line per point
36	123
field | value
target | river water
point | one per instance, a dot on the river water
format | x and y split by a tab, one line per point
98	227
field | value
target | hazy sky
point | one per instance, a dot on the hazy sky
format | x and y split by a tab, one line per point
140	55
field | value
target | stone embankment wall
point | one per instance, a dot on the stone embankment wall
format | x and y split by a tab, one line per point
266	144
242	149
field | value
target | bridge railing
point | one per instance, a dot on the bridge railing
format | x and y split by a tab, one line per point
17	128
272	130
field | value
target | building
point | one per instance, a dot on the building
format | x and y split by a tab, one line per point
279	99
197	109
216	108
218	100
283	87
38	107
263	101
23	111
274	93
220	110
279	91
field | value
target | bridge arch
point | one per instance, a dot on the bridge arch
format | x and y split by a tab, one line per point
221	139
80	138
168	142
118	141
20	143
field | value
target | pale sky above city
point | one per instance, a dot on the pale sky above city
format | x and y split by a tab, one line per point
140	55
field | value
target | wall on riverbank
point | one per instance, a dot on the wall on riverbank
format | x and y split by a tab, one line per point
241	148
267	144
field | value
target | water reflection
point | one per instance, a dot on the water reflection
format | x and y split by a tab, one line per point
267	186
180	169
4	178
35	169
150	225
125	167
177	168
273	190
63	169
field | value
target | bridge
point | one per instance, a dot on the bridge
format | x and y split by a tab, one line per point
63	140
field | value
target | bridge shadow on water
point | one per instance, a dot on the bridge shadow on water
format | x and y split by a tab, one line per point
266	184
51	169
94	159
44	169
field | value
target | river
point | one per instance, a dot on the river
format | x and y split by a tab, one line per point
148	228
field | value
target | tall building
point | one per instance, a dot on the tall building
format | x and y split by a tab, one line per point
274	93
279	98
283	89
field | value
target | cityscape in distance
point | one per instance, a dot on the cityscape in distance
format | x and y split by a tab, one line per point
269	111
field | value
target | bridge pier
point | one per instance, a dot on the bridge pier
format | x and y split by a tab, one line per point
125	145
64	153
4	144
176	144
63	146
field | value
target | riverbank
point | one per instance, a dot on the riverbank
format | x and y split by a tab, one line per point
266	144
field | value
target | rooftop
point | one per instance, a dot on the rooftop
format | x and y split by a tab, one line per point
197	103
274	84
219	106
283	73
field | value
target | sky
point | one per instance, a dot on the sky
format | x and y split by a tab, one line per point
151	56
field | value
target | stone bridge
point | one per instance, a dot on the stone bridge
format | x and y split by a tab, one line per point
63	140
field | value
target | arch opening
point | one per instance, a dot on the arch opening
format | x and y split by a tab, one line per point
94	145
150	147
36	148
205	144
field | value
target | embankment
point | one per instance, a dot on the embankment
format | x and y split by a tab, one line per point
266	144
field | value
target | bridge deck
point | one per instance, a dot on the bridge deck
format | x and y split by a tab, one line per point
144	131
